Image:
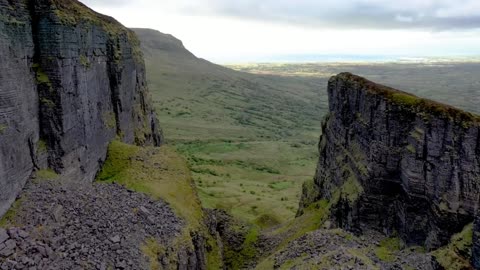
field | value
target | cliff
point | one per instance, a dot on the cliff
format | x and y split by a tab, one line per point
71	81
396	163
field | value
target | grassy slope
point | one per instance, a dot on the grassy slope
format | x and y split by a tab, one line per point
162	174
249	139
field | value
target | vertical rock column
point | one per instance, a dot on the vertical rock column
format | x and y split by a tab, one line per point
18	101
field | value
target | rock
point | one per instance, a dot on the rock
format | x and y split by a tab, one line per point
57	213
3	235
143	210
402	163
9	248
77	84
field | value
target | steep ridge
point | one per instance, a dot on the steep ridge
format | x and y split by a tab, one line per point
72	80
198	98
396	163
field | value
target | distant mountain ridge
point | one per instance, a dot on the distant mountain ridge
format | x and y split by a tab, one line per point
212	96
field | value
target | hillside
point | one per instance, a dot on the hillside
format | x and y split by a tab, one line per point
250	139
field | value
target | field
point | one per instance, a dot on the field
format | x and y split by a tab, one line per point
250	132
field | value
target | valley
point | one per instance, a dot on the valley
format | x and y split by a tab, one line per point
250	133
120	149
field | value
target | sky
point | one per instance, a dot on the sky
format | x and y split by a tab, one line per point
241	31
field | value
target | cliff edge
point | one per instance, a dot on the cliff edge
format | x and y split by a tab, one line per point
396	163
71	81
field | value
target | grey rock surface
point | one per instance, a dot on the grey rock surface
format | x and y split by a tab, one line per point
397	163
102	229
71	81
334	249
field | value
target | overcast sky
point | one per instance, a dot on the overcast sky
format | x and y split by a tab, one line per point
227	31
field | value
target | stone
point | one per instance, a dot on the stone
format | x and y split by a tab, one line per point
3	235
77	88
405	164
57	213
115	239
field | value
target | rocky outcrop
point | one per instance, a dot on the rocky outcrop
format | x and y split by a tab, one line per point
71	80
396	163
476	243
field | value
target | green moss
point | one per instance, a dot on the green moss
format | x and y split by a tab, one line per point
405	99
109	120
47	102
8	220
2	128
84	61
411	149
418	134
46	174
385	251
42	78
42	146
153	251
457	254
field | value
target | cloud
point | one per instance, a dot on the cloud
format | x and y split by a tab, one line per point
366	14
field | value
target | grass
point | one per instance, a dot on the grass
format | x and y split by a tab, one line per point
8	220
153	251
42	146
162	174
385	251
84	61
457	254
2	128
237	176
248	252
239	132
46	174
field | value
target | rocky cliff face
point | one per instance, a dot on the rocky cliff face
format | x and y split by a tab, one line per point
396	163
71	80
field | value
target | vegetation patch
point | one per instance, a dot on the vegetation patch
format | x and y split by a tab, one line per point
267	221
281	185
153	251
8	220
457	254
41	76
2	128
162	174
387	248
46	174
42	146
84	61
248	252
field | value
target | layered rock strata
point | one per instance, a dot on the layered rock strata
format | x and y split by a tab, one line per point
71	80
396	163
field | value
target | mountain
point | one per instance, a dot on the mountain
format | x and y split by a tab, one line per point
249	139
197	98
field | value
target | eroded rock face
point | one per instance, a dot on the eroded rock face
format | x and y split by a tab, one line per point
397	163
72	80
